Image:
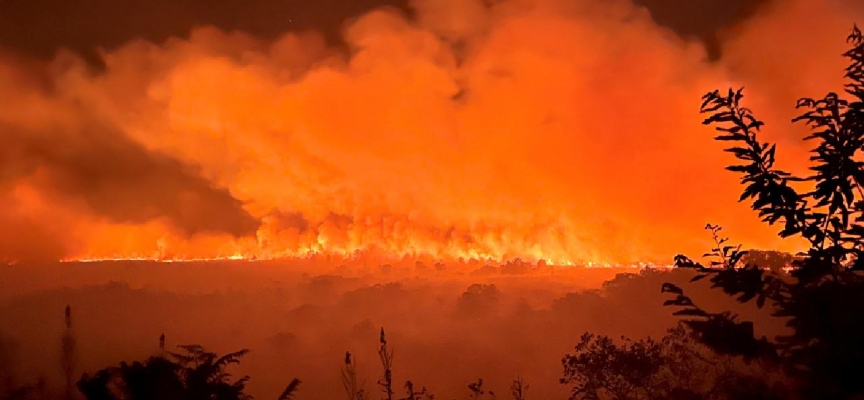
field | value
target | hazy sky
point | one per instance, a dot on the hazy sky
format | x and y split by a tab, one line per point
40	27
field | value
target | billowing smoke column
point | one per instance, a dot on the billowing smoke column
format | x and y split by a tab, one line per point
540	129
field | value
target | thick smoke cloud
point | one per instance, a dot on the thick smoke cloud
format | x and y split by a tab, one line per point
57	155
538	129
791	50
121	181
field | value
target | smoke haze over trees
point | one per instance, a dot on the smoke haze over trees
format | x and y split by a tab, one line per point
299	323
446	173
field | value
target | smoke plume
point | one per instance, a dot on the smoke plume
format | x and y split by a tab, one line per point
540	129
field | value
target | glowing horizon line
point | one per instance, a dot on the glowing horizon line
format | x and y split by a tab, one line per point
462	260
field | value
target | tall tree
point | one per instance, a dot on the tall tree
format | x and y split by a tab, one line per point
824	300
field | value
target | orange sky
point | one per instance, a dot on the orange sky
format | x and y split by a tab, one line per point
540	129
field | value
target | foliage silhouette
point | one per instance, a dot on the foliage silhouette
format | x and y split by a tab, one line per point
518	389
677	367
775	262
193	374
479	300
290	390
349	379
385	354
386	357
355	391
412	394
477	391
824	299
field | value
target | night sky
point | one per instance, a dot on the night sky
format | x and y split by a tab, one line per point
40	27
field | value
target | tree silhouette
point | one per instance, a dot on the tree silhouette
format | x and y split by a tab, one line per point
479	300
385	354
824	300
290	390
193	374
677	367
477	391
774	261
518	389
412	394
353	389
386	357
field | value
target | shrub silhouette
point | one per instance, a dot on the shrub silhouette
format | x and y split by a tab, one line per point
386	356
354	391
192	374
824	299
677	367
479	300
519	389
774	261
412	394
477	391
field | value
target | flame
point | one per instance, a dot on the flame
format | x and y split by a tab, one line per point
518	129
347	258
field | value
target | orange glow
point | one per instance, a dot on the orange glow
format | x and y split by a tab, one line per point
554	130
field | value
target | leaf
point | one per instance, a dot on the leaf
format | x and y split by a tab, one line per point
290	390
670	288
760	301
691	312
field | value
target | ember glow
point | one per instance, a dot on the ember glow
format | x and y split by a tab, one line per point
534	129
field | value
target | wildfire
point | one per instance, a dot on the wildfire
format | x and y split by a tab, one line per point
239	258
358	255
515	135
117	258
